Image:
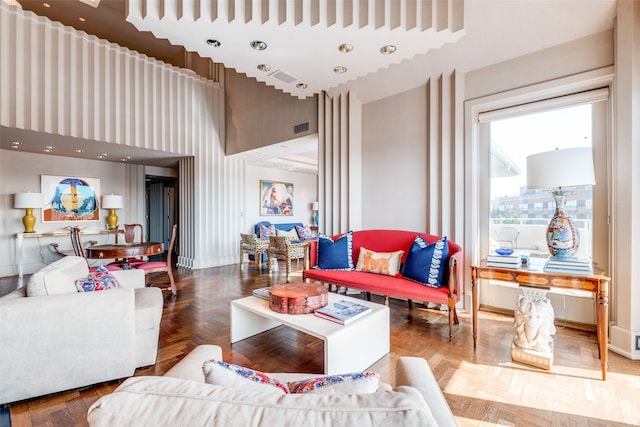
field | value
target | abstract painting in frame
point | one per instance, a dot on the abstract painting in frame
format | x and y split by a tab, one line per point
276	198
68	198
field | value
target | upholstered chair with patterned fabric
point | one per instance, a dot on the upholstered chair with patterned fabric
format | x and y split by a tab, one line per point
281	247
251	245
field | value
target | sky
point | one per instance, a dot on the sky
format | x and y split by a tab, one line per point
522	136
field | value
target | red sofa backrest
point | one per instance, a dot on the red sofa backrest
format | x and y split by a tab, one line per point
390	241
387	241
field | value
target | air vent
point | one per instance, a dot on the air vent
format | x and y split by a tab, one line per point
302	127
282	76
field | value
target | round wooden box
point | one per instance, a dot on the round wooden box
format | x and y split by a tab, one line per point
298	298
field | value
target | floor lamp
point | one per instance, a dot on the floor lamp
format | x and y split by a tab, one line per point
558	172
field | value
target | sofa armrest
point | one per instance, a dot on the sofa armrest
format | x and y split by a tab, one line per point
455	263
415	372
130	278
190	367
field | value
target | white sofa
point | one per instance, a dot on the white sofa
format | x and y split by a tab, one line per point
53	338
182	398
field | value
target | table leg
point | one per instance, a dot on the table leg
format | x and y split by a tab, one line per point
602	318
19	255
306	256
343	350
245	324
474	303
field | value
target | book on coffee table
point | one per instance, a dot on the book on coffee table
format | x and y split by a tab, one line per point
342	312
262	293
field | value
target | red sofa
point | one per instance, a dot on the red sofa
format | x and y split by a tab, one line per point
395	286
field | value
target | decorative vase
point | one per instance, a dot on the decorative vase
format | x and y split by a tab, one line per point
563	238
29	221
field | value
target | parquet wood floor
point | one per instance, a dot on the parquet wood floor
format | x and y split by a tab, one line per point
483	387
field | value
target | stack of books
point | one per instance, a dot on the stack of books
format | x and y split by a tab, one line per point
504	261
342	312
569	265
262	293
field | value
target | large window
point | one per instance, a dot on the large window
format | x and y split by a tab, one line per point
511	141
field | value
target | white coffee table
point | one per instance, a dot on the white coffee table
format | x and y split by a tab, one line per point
347	348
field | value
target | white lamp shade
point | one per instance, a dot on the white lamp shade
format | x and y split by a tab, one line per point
27	200
315	206
112	201
571	167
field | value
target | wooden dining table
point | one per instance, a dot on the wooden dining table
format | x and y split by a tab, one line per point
124	251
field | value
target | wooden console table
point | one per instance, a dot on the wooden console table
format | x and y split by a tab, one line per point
64	233
537	278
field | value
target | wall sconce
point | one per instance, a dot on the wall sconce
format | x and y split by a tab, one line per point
558	172
112	202
28	202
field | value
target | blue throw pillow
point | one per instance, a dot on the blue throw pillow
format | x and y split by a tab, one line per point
425	263
335	255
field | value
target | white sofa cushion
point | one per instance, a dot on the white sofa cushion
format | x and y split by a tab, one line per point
167	401
58	278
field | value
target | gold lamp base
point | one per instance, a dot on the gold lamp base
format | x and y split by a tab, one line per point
112	219
29	221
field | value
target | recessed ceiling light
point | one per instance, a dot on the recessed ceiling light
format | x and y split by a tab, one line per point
301	85
258	45
345	48
339	69
213	42
81	19
46	4
263	67
388	49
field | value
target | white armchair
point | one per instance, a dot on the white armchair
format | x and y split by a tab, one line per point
53	338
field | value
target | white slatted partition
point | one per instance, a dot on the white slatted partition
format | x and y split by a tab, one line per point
445	156
339	163
61	81
340	159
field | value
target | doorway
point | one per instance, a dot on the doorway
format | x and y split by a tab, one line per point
162	212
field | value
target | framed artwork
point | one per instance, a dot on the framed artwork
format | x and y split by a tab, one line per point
276	198
70	198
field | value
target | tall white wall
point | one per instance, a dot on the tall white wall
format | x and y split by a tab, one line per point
61	81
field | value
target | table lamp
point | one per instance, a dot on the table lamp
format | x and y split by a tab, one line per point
112	202
558	172
28	202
